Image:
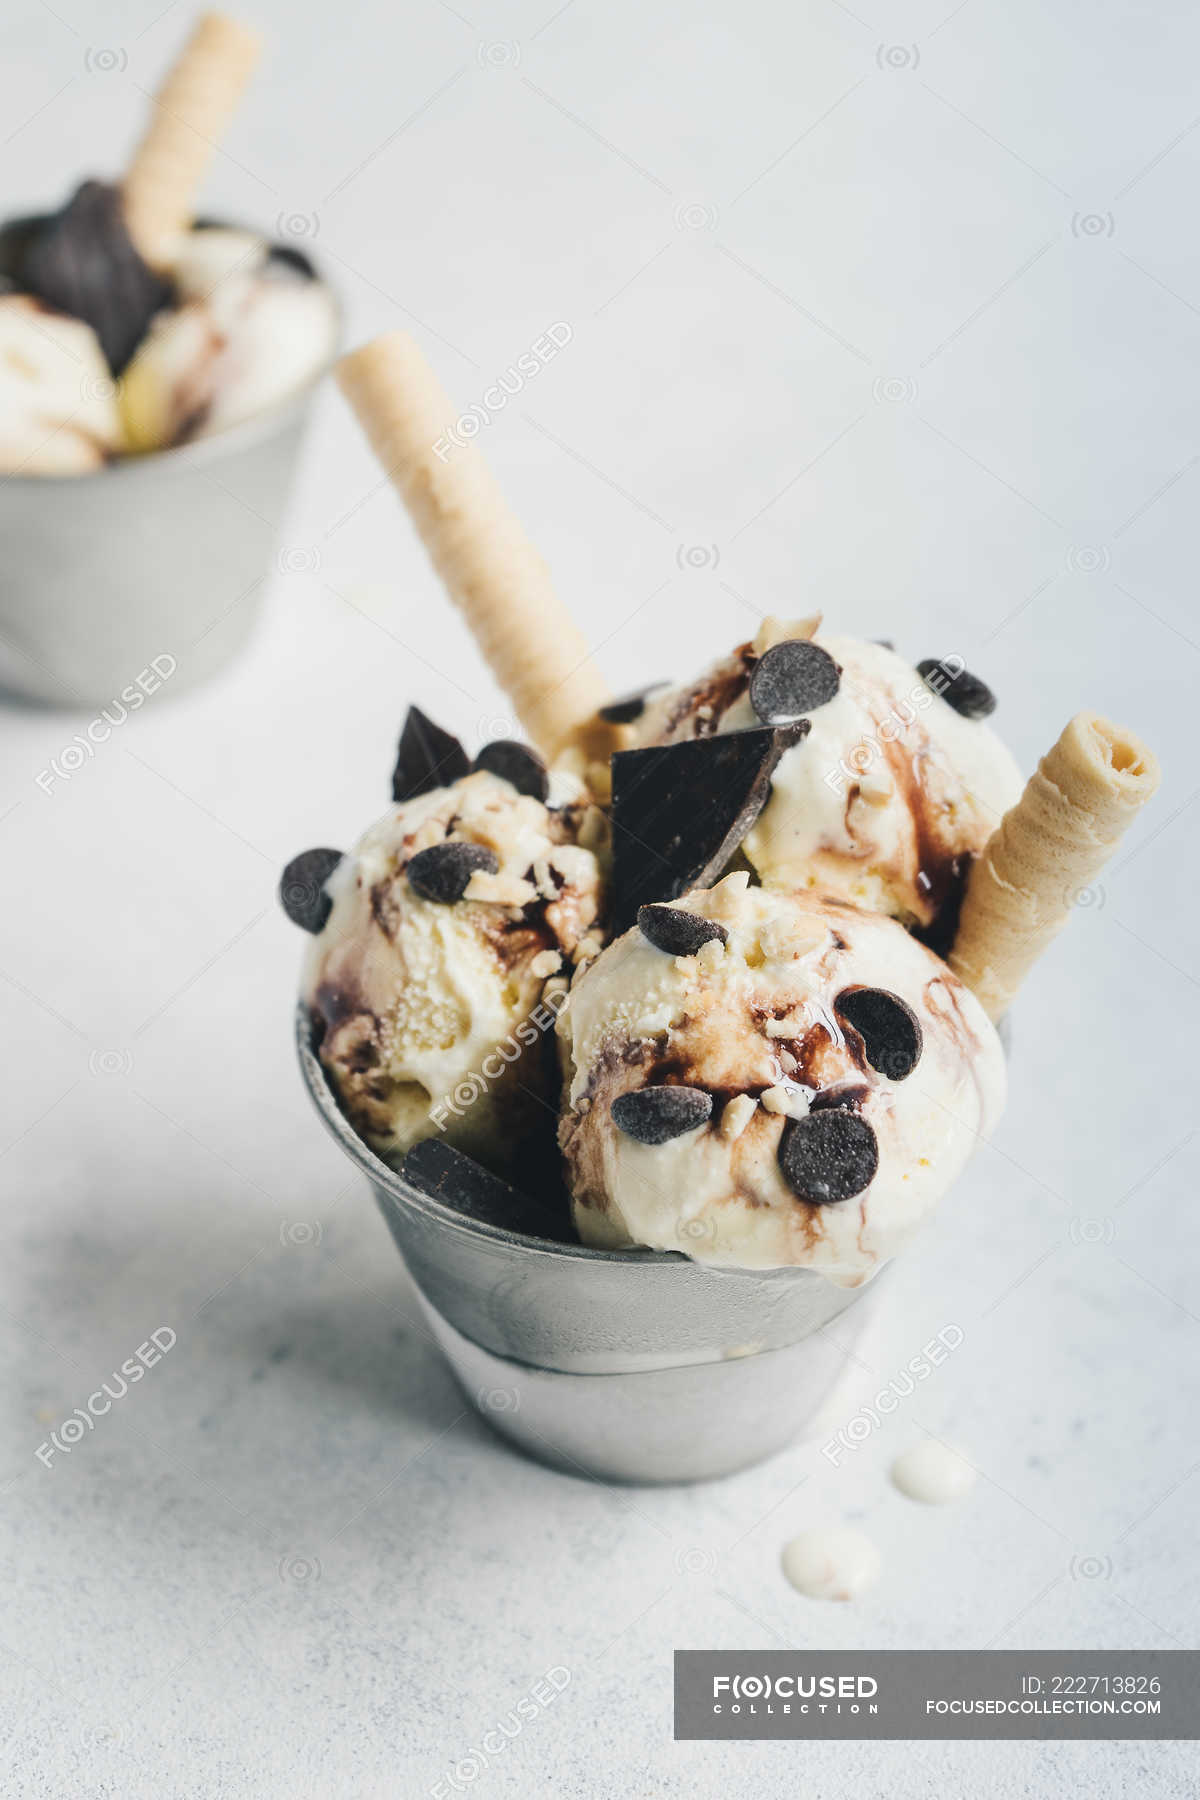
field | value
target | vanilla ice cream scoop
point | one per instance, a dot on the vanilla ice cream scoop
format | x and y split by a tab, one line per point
763	1079
435	938
250	327
58	408
896	788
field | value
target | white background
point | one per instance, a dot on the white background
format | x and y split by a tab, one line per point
908	336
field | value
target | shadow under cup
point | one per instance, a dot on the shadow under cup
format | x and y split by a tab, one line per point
625	1365
149	562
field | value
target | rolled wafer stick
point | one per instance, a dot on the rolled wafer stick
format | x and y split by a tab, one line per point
1046	851
190	112
491	570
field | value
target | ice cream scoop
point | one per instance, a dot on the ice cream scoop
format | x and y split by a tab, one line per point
765	1079
897	786
435	938
58	408
250	326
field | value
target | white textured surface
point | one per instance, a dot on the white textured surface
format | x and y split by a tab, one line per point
831	323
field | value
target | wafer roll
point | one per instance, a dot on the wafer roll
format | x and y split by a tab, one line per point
1046	851
189	115
491	570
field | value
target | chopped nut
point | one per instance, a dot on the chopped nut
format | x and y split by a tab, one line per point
500	890
790	1026
790	1101
876	790
737	1115
586	950
774	631
546	962
710	955
782	939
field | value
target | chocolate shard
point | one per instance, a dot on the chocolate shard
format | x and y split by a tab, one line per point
427	758
965	692
517	764
302	888
83	261
679	811
655	1115
828	1156
888	1026
630	706
436	1168
443	872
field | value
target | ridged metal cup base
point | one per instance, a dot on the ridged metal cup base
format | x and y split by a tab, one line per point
627	1365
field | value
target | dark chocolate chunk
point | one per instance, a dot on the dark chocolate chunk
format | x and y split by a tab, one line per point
792	679
965	692
828	1155
679	811
888	1027
630	706
846	1093
458	1181
677	932
302	888
443	871
83	261
517	764
655	1115
427	758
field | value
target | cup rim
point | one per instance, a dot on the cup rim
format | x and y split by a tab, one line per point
243	435
401	1193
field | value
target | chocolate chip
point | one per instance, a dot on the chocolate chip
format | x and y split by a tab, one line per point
630	706
517	764
677	932
436	1168
828	1156
443	871
83	261
302	888
965	692
655	1115
679	811
888	1027
427	758
792	679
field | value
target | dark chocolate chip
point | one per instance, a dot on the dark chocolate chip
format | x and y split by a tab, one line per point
655	1115
302	888
846	1093
443	871
679	811
828	1155
630	706
791	680
83	261
517	764
888	1027
458	1181
427	758
963	691
677	932
292	259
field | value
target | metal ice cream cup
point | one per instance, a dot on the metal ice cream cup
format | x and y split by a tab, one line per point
626	1365
109	579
